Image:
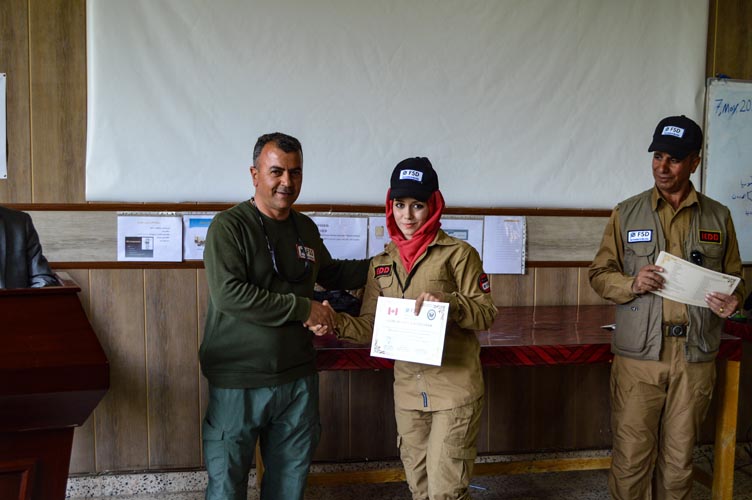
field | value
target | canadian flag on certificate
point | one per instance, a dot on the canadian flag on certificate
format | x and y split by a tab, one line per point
400	334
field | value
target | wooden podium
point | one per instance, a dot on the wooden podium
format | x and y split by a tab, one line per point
53	372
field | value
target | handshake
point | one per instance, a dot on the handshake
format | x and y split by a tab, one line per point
321	319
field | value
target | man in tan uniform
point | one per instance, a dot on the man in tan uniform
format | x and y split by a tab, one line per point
663	372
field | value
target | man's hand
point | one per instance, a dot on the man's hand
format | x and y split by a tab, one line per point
429	296
321	319
721	304
648	280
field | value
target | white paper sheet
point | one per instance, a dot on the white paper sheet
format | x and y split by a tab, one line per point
195	227
144	237
688	283
399	334
504	244
378	236
469	230
344	237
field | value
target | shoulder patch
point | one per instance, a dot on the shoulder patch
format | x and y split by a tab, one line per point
484	283
640	235
381	271
710	237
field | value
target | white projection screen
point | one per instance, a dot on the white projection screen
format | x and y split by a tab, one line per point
518	103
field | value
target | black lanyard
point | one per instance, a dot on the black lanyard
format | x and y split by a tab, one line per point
272	253
410	275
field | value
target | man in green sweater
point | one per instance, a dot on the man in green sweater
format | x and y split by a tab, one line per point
262	260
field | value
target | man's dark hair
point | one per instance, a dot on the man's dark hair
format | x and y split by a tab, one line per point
286	143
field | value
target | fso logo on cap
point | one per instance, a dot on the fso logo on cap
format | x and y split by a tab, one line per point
675	131
412	175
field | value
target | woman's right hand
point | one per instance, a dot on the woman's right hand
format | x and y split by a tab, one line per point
428	296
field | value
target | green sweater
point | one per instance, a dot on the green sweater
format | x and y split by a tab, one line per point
254	334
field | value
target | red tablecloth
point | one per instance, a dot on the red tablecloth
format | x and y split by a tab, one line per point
522	336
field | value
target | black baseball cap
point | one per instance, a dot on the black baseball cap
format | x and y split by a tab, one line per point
414	178
677	136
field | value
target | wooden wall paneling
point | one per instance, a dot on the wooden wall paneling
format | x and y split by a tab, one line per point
70	236
373	431
563	238
744	412
202	299
556	408
547	408
744	421
729	39
117	315
556	286
591	403
14	62
586	296
171	367
83	454
511	409
334	405
510	290
710	48
57	68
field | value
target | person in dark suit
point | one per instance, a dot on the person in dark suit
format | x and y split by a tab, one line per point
22	264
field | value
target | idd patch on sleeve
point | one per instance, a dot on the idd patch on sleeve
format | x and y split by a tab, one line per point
484	283
381	271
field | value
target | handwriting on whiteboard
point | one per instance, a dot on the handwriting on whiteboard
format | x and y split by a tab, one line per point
744	193
731	108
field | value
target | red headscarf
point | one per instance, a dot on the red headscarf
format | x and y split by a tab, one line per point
413	248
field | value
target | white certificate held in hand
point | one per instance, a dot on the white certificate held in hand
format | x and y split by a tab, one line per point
399	334
688	283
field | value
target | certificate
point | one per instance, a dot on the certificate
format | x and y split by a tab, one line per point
399	334
688	283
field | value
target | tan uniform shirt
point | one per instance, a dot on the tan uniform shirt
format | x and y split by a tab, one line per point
450	266
617	286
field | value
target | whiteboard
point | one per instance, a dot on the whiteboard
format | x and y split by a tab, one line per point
728	154
518	103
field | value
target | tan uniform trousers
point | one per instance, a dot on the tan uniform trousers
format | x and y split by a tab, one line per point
438	450
656	411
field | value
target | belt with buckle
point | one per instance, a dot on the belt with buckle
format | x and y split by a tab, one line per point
670	330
